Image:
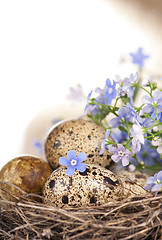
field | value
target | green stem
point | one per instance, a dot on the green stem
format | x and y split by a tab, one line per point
135	157
156	114
116	102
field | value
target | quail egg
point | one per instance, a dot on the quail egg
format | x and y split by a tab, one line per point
133	182
96	185
26	172
81	135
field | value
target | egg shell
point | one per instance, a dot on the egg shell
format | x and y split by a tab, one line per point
26	172
133	182
95	186
80	135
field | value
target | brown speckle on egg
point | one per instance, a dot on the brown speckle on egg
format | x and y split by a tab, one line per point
26	172
80	135
96	185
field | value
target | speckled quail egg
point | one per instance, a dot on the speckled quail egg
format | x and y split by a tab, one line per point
27	173
80	135
96	185
133	182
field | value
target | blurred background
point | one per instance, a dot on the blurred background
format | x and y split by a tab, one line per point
46	47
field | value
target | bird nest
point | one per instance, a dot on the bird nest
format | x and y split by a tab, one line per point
132	218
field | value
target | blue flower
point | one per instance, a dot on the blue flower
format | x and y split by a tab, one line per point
153	115
88	100
128	86
123	114
121	91
105	96
103	144
76	94
119	136
138	137
147	154
37	144
158	142
110	91
139	57
73	162
125	86
154	183
120	154
136	145
93	108
136	118
151	102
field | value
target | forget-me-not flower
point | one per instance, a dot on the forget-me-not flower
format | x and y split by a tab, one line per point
125	86
105	96
151	102
154	183
37	144
147	154
92	108
136	117
137	133
119	136
139	57
76	94
103	144
158	143
73	162
110	91
88	100
138	137
120	154
123	114
128	86
136	145
159	115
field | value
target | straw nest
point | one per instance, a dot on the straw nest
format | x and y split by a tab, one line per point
132	218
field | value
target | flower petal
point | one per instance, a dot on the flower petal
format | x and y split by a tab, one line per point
112	149
151	180
64	161
71	154
148	108
155	143
148	187
159	175
115	122
121	147
107	133
81	167
125	161
146	99
157	95
70	171
102	147
81	157
159	149
115	158
156	187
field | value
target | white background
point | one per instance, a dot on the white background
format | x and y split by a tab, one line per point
48	46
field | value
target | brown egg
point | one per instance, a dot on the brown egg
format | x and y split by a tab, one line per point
95	186
133	182
26	172
80	135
